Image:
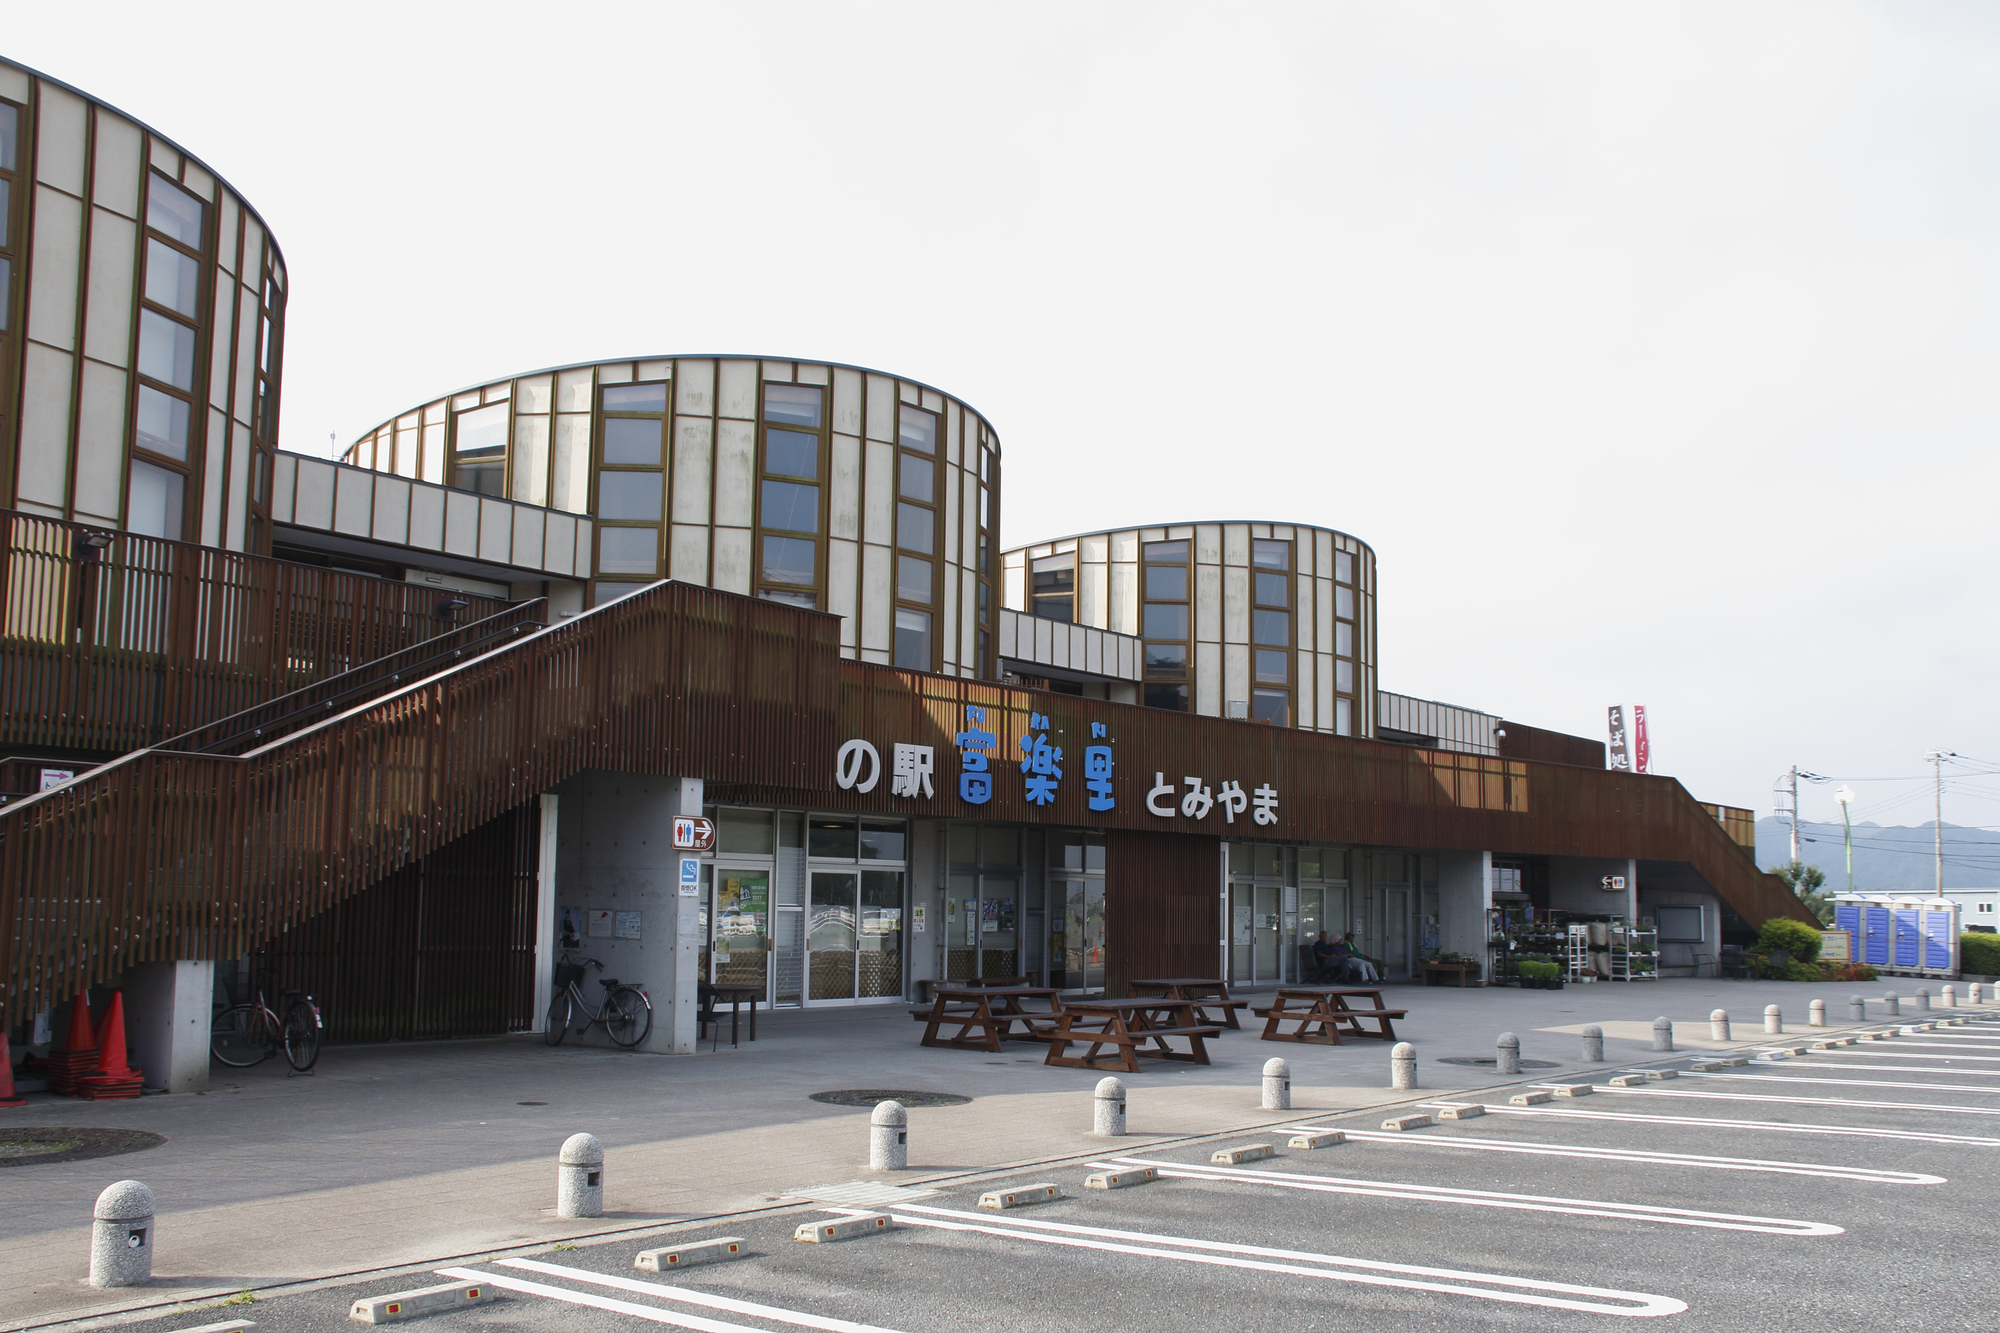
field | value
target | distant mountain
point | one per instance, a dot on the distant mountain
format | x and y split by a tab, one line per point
1887	858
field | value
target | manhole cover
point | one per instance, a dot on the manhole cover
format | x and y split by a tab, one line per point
869	1096
24	1147
1489	1060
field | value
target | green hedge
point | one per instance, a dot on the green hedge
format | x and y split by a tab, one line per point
1801	940
1979	952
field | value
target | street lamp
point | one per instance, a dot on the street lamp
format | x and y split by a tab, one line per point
1844	795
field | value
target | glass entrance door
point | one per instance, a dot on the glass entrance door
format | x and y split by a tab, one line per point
1255	933
1082	934
740	929
854	936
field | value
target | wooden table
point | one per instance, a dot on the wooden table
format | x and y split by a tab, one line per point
1323	1013
733	996
989	1011
1207	992
1435	970
1131	1028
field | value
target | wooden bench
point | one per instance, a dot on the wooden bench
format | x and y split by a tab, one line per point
1131	1029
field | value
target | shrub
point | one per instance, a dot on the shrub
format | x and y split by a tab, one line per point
1847	972
1980	953
1804	972
1799	939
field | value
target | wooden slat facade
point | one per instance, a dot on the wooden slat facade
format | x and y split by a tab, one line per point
1162	890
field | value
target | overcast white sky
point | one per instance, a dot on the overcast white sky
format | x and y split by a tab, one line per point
1651	347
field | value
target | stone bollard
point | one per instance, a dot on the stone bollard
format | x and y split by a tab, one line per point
121	1236
1774	1019
1403	1067
889	1138
1857	1009
1509	1061
1816	1014
1894	1006
1277	1085
1949	996
1108	1114
1593	1044
1975	994
1718	1025
1663	1034
580	1177
1923	1000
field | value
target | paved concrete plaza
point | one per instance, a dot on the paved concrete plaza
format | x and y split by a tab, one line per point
422	1154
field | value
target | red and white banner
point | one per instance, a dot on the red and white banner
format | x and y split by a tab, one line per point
1642	750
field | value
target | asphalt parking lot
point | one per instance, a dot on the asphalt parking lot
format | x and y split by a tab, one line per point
1820	1189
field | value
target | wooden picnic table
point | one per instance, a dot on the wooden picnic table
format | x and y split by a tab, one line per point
1208	992
986	1015
1131	1028
1322	1013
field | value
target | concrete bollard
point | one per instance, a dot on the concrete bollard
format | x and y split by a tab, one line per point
1402	1067
1663	1034
1975	994
1949	996
1857	1009
121	1236
580	1177
1894	1007
1277	1085
1816	1014
889	1138
1509	1061
1593	1044
1107	1116
1774	1019
1718	1025
1923	1000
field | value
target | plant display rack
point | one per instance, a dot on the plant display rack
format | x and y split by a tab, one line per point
1635	952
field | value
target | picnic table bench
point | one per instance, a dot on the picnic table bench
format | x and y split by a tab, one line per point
1322	1013
1131	1029
987	1015
1207	992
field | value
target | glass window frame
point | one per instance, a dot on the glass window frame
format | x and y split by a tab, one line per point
937	557
197	326
1184	681
451	459
821	481
1067	597
1287	580
600	414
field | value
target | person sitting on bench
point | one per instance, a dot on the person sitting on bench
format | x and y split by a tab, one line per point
1352	964
1327	960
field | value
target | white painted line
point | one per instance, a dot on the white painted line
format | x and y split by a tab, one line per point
1532	1203
632	1308
1765	1126
1910	1052
693	1297
1899	1069
1839	1082
1643	1157
1369	1272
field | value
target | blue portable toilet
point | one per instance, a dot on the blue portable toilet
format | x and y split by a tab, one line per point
1908	954
1938	920
1876	928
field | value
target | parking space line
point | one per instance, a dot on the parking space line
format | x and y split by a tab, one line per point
1850	1131
1531	1203
1367	1272
1896	1069
1476	1144
693	1297
1839	1082
1907	1053
609	1303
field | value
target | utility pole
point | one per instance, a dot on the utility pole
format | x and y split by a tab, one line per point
1795	813
1937	758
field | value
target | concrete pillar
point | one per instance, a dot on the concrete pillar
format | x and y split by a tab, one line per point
1593	1044
687	924
546	932
1663	1033
167	1011
1508	1061
1107	1116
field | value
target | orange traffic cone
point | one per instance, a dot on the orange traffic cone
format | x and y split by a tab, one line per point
79	1053
7	1097
112	1081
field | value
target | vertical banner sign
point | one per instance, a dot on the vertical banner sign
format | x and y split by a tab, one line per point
1642	751
1618	756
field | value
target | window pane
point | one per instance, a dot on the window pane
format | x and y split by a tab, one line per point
1167	582
1273	589
985	596
791	507
1166	621
628	550
790	560
1343	717
163	423
1343	567
831	838
611	592
631	441
486	478
1343	603
913	640
1166	661
1343	676
1271	555
1174	697
166	350
10	133
1055	574
483	433
914	526
808	600
1271	627
1167	551
1061	609
630	495
919	480
1271	706
153	504
919	430
172	279
172	211
882	841
798	404
1273	667
635	397
790	453
1343	638
6	275
913	579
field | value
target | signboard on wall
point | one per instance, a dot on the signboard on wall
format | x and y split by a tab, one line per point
694	833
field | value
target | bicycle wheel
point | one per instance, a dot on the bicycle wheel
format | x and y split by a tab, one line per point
558	1024
301	1037
627	1016
241	1036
